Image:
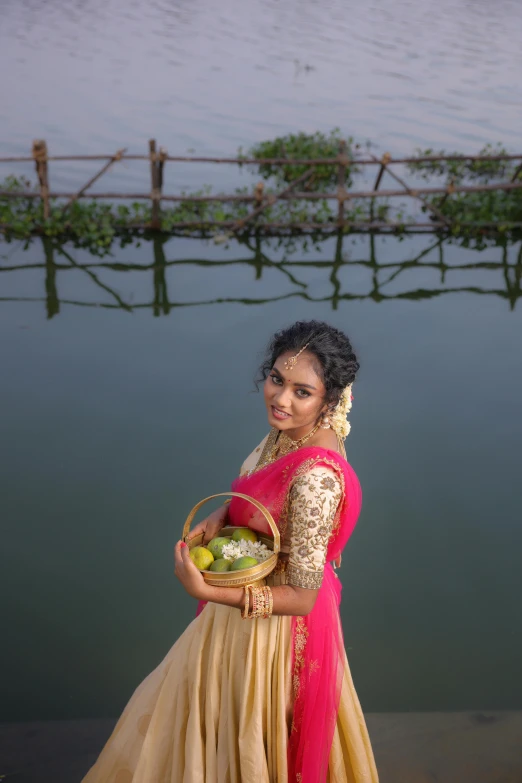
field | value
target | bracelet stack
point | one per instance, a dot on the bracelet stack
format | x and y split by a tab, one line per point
262	603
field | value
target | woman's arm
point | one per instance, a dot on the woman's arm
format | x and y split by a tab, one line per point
288	599
314	499
211	525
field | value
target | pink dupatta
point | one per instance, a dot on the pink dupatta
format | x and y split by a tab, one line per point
318	645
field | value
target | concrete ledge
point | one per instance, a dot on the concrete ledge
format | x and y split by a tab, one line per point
414	747
447	747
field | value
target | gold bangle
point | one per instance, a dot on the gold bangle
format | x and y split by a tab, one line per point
262	603
264	614
263	608
265	602
269	602
258	601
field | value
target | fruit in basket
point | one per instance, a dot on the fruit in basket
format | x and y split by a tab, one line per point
244	534
243	562
216	546
220	565
201	557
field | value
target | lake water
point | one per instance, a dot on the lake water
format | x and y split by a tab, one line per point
127	382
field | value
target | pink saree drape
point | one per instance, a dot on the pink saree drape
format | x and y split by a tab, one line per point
318	645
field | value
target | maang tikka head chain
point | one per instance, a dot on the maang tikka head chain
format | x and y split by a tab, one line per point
292	361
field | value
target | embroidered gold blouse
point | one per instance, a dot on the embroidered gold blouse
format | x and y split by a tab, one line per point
314	498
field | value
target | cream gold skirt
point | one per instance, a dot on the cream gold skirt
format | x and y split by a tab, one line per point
217	709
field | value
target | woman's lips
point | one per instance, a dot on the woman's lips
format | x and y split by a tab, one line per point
281	415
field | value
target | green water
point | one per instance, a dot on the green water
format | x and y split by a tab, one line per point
126	385
115	422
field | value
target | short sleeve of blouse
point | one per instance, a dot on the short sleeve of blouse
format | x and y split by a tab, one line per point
313	503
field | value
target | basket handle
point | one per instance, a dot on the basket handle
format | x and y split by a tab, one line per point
266	513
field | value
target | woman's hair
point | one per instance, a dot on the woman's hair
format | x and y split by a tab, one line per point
336	364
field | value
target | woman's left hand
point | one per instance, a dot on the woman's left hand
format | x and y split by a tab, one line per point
189	576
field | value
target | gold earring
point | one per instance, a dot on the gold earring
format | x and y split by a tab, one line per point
325	424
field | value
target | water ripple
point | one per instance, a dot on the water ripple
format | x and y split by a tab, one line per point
205	76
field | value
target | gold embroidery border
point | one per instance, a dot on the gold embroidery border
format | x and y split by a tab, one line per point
301	577
301	637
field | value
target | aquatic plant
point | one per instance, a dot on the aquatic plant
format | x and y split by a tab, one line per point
95	224
466	211
474	216
307	146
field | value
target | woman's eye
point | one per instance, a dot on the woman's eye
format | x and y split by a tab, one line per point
302	393
276	380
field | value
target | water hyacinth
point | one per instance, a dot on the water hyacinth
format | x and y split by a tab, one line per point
236	549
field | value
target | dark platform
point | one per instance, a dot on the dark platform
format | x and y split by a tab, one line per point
415	747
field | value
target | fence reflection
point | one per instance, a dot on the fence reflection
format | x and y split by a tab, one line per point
384	277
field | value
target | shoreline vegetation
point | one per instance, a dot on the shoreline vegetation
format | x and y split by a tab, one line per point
475	201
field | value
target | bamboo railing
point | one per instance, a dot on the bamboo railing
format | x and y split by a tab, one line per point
260	200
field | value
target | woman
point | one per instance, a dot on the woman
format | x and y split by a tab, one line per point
269	698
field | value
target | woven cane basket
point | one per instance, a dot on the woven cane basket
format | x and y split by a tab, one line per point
246	576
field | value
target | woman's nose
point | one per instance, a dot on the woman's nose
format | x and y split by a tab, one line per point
284	398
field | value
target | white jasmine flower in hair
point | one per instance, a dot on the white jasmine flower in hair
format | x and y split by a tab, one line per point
338	420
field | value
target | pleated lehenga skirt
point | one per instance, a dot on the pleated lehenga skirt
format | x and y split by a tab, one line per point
218	709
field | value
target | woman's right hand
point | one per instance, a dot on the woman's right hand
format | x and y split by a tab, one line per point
210	526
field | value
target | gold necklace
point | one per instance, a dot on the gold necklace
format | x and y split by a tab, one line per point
285	444
278	444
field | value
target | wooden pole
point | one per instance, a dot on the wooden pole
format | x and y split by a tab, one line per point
92	180
271	161
411	192
449	191
162	157
516	173
286	195
384	161
386	158
156	179
240	224
259	193
40	158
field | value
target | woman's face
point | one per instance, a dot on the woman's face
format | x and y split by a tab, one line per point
294	398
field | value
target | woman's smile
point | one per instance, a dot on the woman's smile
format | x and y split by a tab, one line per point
294	399
279	414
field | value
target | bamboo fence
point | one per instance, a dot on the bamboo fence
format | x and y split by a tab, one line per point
387	281
260	200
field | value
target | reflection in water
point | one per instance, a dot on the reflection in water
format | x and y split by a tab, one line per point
386	279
